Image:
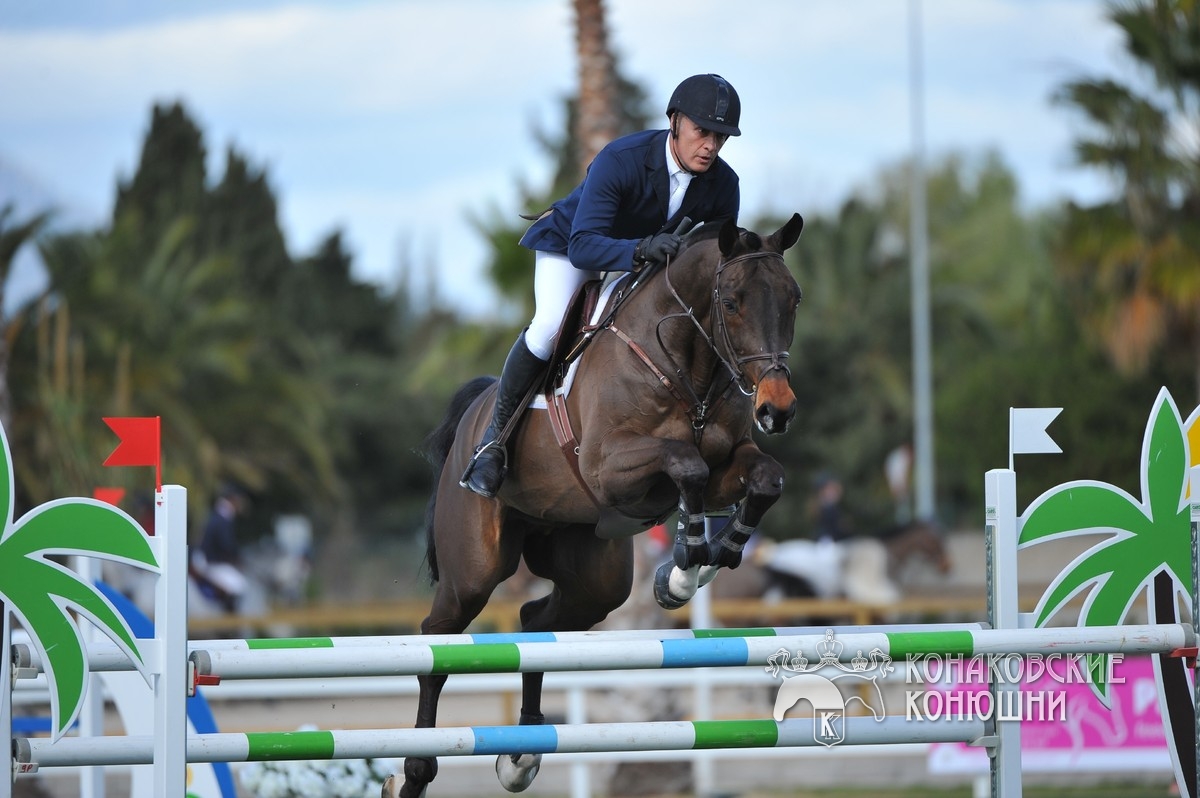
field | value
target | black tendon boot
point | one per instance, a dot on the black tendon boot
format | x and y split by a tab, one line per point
486	470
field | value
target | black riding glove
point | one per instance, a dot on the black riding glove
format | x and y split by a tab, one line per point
656	249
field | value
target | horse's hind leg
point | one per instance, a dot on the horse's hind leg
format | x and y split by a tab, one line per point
466	583
517	771
592	577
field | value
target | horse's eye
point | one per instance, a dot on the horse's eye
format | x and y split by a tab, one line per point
729	306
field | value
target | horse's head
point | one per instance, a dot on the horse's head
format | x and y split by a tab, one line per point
754	317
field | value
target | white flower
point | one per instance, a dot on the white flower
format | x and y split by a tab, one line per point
339	778
347	784
251	776
274	784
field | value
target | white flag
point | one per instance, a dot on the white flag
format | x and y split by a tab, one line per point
1027	430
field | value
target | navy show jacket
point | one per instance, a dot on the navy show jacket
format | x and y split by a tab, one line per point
623	198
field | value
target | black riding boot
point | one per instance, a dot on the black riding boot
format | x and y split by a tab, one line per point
487	468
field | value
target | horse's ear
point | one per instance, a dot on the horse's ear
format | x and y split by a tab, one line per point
728	237
789	234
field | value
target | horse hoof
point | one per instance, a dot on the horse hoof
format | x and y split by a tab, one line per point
517	772
662	588
392	788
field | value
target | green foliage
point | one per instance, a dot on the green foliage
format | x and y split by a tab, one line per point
315	389
852	357
288	376
170	180
510	265
1133	261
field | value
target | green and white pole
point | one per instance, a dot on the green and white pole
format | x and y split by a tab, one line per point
496	740
554	657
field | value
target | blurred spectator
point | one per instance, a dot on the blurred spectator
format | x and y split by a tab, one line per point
216	566
830	525
898	470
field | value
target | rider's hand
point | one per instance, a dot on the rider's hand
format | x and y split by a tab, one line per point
657	248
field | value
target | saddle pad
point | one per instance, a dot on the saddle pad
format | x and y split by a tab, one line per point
539	401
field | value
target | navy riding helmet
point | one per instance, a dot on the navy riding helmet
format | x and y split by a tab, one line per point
710	101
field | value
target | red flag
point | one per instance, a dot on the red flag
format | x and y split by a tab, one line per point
111	496
139	444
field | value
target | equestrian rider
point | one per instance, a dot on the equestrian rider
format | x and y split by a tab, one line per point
619	218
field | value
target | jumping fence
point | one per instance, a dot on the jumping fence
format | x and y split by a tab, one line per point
174	667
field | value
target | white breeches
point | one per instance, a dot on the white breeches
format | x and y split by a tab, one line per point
555	281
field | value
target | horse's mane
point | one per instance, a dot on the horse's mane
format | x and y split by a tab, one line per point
750	240
706	233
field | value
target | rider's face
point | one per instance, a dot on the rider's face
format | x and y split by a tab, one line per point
695	148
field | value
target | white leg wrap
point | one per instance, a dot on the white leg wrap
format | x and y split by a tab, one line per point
707	574
683	584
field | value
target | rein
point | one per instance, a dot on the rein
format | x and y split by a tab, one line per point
698	410
734	364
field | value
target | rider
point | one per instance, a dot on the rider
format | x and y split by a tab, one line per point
619	218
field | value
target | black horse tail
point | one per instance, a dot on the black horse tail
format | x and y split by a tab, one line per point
437	448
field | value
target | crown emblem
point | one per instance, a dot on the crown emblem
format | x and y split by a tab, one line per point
829	653
829	650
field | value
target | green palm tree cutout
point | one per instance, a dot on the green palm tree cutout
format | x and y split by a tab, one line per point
1145	537
42	593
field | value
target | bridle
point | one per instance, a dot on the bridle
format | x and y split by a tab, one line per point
733	363
699	410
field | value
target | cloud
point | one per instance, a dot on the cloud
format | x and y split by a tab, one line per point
393	120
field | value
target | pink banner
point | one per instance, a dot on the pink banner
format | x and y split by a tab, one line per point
1064	726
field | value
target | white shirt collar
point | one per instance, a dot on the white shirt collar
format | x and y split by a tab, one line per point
673	168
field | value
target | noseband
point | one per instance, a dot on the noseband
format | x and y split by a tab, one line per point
730	360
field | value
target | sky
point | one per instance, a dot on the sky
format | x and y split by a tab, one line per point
397	122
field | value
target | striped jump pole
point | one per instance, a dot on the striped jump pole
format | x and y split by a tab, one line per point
495	740
419	659
103	656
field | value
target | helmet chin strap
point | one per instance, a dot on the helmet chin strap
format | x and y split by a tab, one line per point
675	138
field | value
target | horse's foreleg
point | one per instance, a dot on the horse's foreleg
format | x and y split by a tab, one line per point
763	478
675	582
629	461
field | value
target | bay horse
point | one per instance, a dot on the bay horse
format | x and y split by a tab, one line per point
659	417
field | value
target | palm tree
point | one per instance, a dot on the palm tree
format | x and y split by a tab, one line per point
598	121
41	593
12	238
1146	548
1135	260
156	328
